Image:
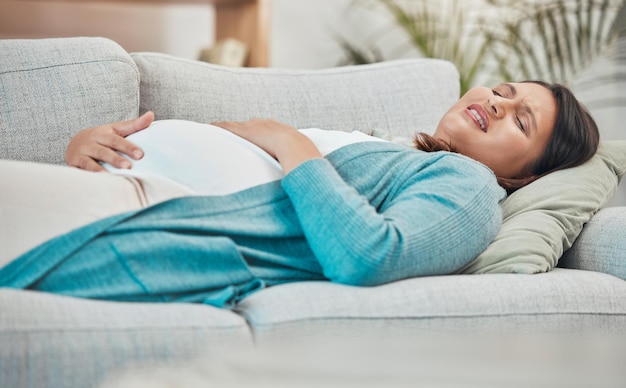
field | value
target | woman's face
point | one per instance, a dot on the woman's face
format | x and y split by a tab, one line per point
507	128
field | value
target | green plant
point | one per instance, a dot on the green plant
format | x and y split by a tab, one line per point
444	29
553	40
508	40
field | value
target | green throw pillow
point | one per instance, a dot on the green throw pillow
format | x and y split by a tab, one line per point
542	220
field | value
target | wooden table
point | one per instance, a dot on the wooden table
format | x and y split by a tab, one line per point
245	20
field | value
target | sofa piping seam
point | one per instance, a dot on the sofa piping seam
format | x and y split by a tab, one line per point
296	73
408	318
130	63
105	329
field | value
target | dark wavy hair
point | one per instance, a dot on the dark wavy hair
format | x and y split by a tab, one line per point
575	139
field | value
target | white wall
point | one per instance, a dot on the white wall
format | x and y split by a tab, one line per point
180	30
301	29
305	32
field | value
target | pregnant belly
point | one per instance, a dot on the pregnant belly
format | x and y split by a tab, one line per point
203	158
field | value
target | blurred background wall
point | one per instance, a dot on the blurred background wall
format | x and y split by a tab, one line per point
302	30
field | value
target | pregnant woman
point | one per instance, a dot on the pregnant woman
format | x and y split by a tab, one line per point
210	213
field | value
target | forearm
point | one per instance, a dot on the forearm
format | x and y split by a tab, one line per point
426	221
281	141
349	238
300	150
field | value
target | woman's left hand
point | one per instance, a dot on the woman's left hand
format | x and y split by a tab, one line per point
283	142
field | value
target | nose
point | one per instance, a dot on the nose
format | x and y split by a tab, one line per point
499	106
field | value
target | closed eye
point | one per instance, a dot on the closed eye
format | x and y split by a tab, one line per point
520	124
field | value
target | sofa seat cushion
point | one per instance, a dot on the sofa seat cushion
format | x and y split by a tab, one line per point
70	342
52	88
392	96
560	301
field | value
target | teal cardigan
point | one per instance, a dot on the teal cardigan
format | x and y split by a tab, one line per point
368	214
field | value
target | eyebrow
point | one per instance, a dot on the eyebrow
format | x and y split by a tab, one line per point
526	107
512	88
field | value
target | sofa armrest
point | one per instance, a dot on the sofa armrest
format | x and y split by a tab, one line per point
601	246
52	88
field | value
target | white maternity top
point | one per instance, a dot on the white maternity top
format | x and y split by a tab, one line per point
202	159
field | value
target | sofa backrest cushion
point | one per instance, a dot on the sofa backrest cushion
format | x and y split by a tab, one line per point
400	97
52	88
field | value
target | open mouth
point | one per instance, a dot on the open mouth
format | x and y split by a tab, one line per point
479	114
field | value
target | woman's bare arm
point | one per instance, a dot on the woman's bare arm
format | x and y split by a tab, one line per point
283	142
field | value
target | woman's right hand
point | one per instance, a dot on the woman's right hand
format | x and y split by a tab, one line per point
102	144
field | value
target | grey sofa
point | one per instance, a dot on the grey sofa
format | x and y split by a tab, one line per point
50	89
